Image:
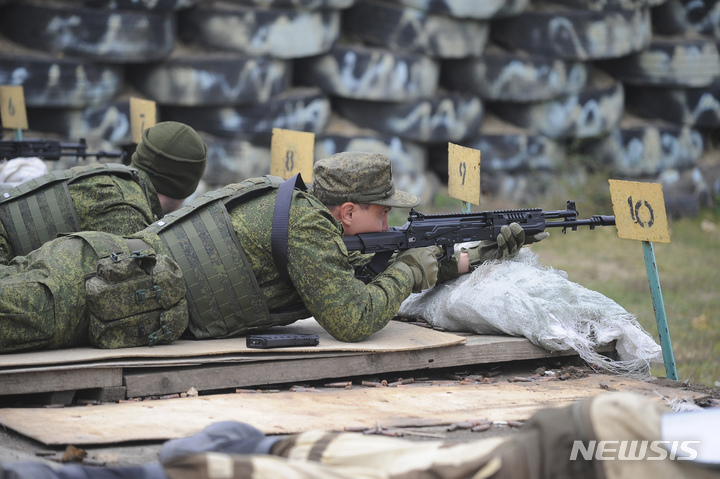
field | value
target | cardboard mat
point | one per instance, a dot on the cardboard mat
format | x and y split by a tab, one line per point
328	409
396	336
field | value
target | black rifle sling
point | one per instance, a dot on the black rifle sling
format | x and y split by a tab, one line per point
281	217
374	267
40	209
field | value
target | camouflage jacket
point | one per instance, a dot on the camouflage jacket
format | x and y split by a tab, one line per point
106	202
115	204
320	268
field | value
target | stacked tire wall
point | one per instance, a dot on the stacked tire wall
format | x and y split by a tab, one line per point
632	87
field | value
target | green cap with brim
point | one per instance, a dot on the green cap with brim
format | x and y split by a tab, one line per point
358	177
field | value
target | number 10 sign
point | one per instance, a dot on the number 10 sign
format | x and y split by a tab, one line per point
639	211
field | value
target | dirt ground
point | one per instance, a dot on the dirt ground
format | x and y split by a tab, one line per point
15	447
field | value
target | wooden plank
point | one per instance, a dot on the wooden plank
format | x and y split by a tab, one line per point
50	381
329	410
477	350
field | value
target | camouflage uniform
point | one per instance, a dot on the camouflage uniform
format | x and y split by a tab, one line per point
320	269
541	449
43	302
321	274
42	294
108	202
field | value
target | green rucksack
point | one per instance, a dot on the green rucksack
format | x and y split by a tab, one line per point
136	299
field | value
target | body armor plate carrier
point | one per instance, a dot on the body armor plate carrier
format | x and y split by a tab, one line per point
38	210
223	295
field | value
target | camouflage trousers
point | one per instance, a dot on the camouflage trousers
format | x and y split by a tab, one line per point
542	449
42	295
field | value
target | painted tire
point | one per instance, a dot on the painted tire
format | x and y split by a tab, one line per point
596	110
441	118
604	5
518	187
302	4
517	164
677	17
408	158
59	82
279	33
145	5
509	149
211	78
301	109
643	150
369	73
670	61
232	161
419	31
499	75
575	34
104	35
109	122
476	9
698	107
686	191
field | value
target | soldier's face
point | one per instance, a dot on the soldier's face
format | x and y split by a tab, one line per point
370	219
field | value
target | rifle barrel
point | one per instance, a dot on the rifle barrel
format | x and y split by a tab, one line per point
597	220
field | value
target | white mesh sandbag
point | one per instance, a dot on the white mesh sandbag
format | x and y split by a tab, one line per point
521	297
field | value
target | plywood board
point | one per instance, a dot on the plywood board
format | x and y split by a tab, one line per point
329	410
396	336
477	350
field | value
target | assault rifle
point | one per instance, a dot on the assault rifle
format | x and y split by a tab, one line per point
51	150
446	230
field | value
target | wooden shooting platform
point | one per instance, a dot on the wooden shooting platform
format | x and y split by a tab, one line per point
217	364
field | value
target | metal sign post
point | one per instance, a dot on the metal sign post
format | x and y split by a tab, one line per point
640	215
659	307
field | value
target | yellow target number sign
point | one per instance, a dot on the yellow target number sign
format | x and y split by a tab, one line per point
291	152
464	173
639	211
12	107
143	115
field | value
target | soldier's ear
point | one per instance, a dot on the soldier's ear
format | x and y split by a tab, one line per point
345	213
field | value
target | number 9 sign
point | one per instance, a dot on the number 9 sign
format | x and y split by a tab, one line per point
464	173
639	211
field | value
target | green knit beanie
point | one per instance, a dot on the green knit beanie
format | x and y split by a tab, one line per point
174	156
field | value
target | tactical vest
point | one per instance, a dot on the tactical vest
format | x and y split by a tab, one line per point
36	211
223	295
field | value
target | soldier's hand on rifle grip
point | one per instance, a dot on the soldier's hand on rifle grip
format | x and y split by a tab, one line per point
510	240
422	263
508	243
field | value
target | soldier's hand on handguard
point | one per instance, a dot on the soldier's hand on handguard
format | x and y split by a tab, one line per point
423	264
508	243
